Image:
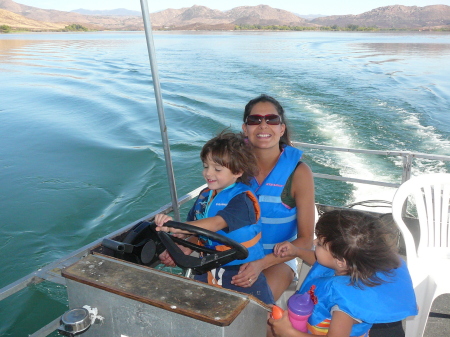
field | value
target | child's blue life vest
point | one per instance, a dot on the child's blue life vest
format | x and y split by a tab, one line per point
391	301
249	236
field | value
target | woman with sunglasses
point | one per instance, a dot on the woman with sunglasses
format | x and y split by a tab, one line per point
285	190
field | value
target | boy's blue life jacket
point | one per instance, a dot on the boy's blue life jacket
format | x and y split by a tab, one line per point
249	236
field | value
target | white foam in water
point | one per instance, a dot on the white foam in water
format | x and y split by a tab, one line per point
338	130
434	141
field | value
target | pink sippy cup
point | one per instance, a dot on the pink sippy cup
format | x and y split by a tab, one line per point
300	307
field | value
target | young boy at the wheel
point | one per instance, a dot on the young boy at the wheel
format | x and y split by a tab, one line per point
227	206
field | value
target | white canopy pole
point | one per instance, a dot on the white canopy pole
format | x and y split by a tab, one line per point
160	108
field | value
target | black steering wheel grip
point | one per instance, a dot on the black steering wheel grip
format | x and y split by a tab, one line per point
210	259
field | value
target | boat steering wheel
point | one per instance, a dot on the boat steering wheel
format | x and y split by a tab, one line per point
144	244
211	258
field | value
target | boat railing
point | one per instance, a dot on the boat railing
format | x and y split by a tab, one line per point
407	161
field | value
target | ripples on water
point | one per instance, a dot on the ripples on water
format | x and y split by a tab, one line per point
80	149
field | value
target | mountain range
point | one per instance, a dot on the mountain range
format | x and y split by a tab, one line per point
196	17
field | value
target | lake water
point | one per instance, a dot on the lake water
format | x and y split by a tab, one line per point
80	147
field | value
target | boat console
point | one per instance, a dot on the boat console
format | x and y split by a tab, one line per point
133	299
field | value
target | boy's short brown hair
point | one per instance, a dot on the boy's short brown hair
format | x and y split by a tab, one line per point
232	151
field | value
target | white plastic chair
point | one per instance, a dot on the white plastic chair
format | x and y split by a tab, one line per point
428	260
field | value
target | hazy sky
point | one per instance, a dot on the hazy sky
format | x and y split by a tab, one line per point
325	7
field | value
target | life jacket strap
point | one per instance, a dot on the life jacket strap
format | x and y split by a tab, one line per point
246	244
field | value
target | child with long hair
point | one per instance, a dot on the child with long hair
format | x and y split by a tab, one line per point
229	207
357	278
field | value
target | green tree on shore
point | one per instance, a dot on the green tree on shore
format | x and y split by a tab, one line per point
75	28
5	29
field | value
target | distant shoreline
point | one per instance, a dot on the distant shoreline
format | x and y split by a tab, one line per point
237	31
292	29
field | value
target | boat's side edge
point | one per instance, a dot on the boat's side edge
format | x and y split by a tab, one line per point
52	271
48	329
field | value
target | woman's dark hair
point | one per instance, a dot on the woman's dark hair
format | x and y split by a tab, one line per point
285	138
365	242
232	151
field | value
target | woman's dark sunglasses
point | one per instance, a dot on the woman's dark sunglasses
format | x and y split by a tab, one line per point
271	119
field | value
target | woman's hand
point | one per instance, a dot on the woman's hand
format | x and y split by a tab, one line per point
248	274
285	249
